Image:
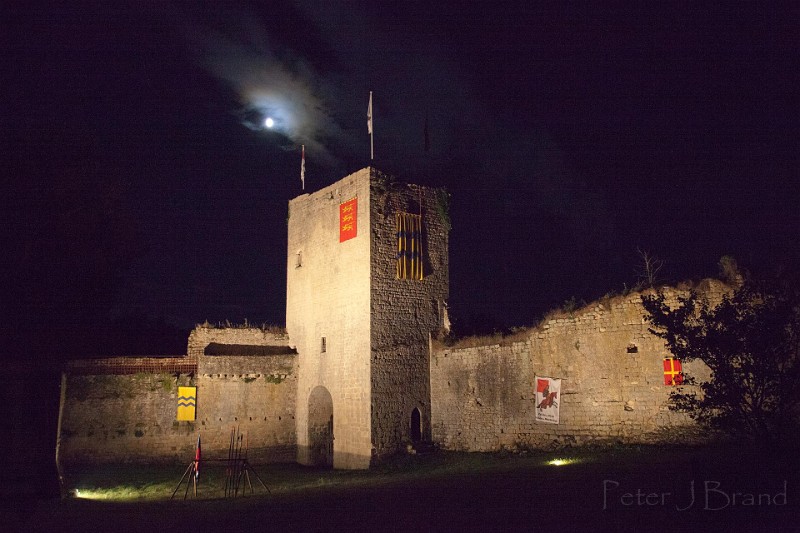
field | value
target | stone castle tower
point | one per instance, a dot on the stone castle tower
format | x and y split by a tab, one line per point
367	284
356	378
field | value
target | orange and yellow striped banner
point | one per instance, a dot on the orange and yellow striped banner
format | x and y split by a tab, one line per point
409	246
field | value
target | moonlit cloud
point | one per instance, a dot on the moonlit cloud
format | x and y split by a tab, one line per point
320	99
286	88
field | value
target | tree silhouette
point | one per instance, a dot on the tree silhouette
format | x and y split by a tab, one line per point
648	268
751	343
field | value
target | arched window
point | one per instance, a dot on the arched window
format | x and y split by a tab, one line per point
416	425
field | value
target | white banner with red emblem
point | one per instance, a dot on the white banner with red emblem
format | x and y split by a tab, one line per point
548	396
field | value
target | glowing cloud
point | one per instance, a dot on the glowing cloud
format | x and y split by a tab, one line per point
285	90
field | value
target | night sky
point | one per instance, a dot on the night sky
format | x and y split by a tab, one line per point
141	188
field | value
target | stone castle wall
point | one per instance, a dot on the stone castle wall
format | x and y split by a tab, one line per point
404	313
124	409
124	418
612	389
246	379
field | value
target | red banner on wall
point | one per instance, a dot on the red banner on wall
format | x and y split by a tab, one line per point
673	372
348	218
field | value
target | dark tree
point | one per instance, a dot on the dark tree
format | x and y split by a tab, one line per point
751	343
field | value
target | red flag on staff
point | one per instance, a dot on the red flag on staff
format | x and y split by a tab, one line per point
197	459
303	166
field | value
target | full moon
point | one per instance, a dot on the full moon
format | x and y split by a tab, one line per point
269	122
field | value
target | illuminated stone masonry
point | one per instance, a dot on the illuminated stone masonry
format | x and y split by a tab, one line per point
362	334
124	409
612	389
359	375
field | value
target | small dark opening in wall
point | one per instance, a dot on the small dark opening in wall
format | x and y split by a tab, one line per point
246	349
323	346
416	425
632	348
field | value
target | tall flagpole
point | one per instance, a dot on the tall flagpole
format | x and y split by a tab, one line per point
369	128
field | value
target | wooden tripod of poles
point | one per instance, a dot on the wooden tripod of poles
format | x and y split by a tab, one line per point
191	471
237	473
237	469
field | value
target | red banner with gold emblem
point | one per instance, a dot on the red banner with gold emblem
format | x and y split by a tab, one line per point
348	218
673	372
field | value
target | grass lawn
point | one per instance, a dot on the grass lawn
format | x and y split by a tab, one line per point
620	489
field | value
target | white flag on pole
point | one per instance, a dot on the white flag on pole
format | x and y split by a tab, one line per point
369	114
369	128
303	166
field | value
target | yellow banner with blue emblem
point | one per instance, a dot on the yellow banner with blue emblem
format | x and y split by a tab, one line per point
409	246
187	403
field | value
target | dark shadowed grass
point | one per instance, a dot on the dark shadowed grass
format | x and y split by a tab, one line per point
442	492
153	482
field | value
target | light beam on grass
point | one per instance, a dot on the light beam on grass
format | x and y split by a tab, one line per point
87	494
562	461
120	493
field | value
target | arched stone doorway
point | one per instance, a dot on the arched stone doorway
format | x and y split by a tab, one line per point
416	425
320	427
